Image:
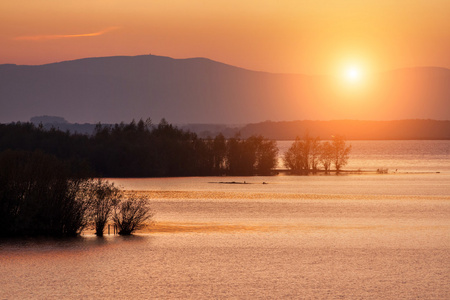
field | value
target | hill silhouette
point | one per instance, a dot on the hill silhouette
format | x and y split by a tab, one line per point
199	90
352	129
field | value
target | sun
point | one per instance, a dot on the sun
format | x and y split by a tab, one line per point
353	74
353	79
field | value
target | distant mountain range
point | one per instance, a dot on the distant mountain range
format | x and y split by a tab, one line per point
199	90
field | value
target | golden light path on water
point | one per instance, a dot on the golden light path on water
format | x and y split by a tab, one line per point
294	237
394	218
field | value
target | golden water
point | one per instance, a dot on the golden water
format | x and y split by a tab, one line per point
319	237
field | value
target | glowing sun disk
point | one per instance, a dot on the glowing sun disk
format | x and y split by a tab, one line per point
353	74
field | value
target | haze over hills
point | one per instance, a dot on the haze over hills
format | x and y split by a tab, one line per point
352	129
198	90
289	130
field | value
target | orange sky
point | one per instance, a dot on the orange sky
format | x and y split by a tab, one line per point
309	36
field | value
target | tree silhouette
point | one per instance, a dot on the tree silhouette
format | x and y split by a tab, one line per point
297	157
340	152
130	215
266	155
103	197
40	196
326	155
305	154
140	149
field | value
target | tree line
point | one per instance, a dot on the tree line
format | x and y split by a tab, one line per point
141	149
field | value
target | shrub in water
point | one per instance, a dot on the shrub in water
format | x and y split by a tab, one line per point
130	215
103	197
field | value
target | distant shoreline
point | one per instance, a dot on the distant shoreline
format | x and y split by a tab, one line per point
352	130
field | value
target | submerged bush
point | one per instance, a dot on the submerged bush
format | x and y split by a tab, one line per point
103	197
130	215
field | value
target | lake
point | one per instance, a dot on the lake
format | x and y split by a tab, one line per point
403	156
323	237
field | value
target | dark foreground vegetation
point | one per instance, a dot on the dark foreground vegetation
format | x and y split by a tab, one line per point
41	195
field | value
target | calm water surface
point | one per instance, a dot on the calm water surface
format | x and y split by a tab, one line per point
403	156
352	237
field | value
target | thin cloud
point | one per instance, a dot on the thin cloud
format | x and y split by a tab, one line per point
63	36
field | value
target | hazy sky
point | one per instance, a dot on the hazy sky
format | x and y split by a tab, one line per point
309	36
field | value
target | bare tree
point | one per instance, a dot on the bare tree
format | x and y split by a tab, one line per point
130	215
104	196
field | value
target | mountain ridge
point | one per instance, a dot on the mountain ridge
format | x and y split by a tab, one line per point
200	90
205	59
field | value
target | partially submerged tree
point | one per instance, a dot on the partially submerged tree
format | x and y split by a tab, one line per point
340	152
326	156
104	196
130	215
305	154
302	155
315	149
293	157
